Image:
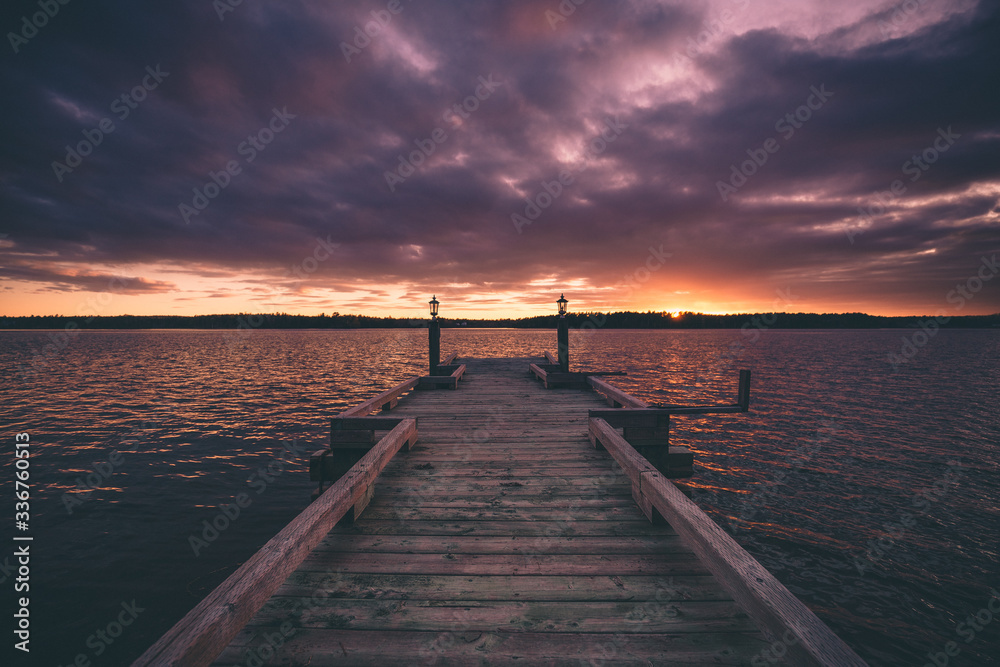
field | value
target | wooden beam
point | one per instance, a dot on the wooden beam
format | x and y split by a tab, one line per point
551	358
364	423
450	358
778	613
633	464
373	404
538	371
743	393
629	417
450	381
561	379
614	393
354	437
208	628
643	416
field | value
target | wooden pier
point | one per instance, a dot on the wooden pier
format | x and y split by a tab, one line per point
521	526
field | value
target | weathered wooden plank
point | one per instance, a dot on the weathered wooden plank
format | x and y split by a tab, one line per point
537	370
406	514
558	506
456	645
510	489
566	564
633	587
507	544
445	545
204	632
615	394
547	528
646	616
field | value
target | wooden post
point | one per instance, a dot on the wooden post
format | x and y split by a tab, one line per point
743	394
434	345
562	345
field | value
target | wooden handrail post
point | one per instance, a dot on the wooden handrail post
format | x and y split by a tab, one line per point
562	344
743	393
434	345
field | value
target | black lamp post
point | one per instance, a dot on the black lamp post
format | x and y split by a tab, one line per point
562	335
434	337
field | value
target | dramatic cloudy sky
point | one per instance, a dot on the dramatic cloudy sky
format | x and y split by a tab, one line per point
680	91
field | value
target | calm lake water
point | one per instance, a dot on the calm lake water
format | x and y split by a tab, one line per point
872	493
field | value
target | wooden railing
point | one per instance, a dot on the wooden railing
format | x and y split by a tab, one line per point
208	628
386	400
448	376
780	615
615	396
618	398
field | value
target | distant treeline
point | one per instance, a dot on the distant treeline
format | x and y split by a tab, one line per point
622	320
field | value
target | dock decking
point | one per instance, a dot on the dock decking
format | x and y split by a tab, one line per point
502	536
520	527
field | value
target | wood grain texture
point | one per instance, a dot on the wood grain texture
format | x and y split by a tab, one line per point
503	537
777	612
